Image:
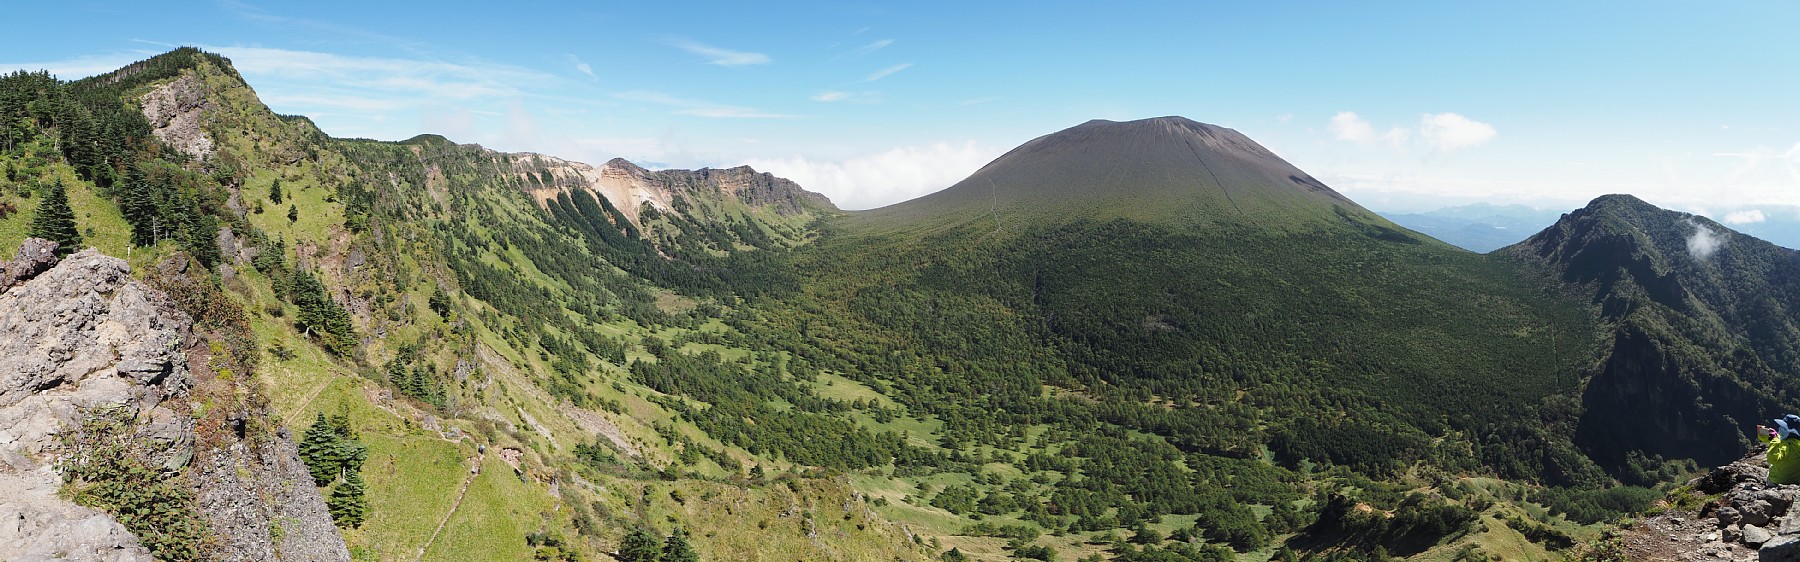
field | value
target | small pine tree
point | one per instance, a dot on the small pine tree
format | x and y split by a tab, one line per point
293	214
55	221
677	549
275	192
440	302
349	505
319	450
640	546
201	240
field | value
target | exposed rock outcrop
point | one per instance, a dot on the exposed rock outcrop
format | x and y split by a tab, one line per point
35	256
84	336
262	495
174	111
1745	519
80	335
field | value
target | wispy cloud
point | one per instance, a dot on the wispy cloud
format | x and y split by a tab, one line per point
720	56
348	95
82	66
698	108
731	112
864	50
378	77
583	67
979	101
886	72
261	16
1756	159
840	96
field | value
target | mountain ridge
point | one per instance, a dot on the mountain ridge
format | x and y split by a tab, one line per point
1694	310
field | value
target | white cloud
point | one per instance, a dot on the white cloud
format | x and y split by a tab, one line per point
1349	126
1442	132
1704	241
1745	217
873	180
1449	131
1346	125
886	72
831	96
1396	137
719	56
583	67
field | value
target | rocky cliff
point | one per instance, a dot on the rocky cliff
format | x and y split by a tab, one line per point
85	339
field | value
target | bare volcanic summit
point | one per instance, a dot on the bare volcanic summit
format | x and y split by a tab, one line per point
1166	170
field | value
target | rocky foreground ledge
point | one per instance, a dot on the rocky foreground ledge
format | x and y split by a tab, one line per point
81	335
1743	518
77	336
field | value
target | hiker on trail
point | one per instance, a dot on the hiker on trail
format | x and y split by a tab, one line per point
1784	449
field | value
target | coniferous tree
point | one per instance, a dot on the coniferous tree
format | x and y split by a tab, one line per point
319	450
332	453
677	549
293	214
640	546
55	221
440	302
349	505
137	201
275	192
201	240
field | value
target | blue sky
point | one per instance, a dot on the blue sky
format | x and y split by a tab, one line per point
1401	105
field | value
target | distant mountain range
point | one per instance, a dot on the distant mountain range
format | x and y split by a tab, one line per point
1479	227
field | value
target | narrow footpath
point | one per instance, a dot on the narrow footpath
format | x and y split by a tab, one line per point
480	461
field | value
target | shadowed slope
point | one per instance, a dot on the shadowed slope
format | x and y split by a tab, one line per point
1702	336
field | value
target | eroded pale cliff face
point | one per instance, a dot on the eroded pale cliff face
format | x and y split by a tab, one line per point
629	186
624	184
175	110
84	337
